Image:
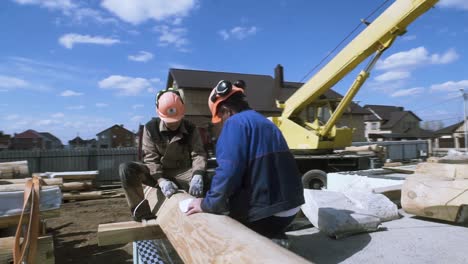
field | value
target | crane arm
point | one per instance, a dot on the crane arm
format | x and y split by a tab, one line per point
378	36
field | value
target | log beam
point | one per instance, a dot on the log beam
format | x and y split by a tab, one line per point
44	254
125	232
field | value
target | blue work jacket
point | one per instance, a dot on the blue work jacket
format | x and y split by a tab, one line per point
257	175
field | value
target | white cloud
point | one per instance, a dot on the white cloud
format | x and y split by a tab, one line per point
68	93
68	40
125	85
12	117
51	4
172	36
155	80
137	106
136	12
136	118
12	82
76	107
392	76
459	4
238	32
101	105
45	122
58	115
414	58
142	56
450	86
408	92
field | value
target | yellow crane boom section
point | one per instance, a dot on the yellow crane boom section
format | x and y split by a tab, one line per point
377	36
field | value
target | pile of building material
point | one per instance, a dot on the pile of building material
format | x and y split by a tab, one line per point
79	185
14	169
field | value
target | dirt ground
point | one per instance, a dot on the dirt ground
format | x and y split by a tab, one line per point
74	232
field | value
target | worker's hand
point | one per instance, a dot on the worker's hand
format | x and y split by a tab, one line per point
194	206
196	185
168	188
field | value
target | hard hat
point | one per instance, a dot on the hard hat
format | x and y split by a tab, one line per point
170	106
222	91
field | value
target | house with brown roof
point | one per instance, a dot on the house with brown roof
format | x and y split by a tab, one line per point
78	142
115	136
31	139
4	141
452	136
393	123
262	92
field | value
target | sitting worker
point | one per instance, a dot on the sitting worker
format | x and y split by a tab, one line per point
173	157
257	181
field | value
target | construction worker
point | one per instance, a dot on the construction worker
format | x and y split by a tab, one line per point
257	181
173	157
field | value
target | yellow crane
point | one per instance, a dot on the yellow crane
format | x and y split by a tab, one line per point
378	36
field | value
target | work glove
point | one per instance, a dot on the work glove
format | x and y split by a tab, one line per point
168	188
196	185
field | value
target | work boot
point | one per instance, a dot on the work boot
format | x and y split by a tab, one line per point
142	212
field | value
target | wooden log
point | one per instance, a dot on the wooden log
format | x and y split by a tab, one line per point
74	175
125	232
76	186
406	169
19	187
437	190
209	238
13	220
57	181
93	195
44	254
15	169
453	171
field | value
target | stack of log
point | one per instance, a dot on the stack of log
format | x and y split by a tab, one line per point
79	185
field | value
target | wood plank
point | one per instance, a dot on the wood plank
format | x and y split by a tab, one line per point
406	169
459	171
12	220
125	232
93	195
209	238
44	255
14	169
55	181
74	175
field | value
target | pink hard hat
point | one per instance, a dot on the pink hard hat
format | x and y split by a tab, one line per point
171	108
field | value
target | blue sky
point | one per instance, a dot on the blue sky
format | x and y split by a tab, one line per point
77	67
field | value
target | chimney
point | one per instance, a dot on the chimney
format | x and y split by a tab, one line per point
278	82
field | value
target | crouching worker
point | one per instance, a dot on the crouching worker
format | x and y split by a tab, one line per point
257	181
173	157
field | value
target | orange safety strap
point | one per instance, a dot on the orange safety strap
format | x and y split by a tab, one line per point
26	252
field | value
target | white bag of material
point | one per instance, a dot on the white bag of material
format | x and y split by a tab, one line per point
342	214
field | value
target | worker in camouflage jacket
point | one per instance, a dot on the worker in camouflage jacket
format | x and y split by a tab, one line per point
174	157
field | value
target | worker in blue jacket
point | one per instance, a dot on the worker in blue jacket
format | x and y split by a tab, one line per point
257	181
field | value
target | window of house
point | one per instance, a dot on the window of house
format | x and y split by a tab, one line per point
374	125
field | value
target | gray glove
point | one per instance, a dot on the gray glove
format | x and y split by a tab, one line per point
168	188
196	185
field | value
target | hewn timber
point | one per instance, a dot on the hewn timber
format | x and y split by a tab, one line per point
125	232
12	220
76	186
209	238
55	181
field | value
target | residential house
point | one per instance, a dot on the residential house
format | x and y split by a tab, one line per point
31	139
51	141
452	136
262	91
78	142
393	123
4	141
115	136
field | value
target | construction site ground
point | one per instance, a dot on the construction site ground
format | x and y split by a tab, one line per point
74	232
406	240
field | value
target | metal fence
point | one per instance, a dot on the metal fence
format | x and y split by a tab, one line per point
106	161
402	150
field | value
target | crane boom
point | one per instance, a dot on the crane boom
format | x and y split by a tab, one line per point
376	38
